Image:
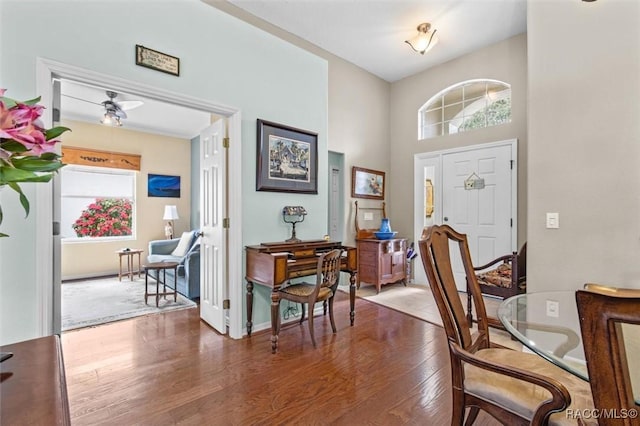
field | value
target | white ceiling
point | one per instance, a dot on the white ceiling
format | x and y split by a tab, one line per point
83	103
368	33
371	33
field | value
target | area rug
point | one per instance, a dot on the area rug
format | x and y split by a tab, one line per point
98	301
418	301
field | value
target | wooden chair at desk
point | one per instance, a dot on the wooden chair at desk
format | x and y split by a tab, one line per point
328	274
514	387
606	318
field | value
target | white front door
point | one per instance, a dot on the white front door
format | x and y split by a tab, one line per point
213	246
486	212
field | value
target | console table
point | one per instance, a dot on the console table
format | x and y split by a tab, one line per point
33	389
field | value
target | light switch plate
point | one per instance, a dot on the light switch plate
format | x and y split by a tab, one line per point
553	308
553	220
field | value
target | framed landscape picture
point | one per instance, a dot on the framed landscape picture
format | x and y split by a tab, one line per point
367	183
163	186
287	159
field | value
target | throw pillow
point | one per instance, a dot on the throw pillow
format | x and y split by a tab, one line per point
183	245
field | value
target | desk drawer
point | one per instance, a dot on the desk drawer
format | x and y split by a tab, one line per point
304	253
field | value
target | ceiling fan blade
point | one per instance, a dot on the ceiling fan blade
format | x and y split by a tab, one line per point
128	105
120	113
80	99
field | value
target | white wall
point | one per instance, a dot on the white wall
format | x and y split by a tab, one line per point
505	61
222	59
584	143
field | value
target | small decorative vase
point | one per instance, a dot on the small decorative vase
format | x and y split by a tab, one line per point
384	226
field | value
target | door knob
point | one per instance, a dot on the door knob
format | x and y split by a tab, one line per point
446	219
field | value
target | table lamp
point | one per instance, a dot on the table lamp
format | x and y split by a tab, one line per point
293	215
170	214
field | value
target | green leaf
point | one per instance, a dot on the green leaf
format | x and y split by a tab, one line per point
23	198
32	101
55	132
13	146
36	164
10	174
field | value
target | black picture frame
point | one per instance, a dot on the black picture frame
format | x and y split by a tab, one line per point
158	61
163	186
287	159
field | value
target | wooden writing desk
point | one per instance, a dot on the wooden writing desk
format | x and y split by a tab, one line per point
272	264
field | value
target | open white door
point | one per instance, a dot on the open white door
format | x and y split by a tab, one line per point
213	247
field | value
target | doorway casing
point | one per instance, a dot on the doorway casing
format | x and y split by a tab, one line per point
48	275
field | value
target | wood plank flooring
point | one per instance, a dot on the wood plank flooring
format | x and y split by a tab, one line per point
163	369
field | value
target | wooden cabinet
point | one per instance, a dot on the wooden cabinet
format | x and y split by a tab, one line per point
382	261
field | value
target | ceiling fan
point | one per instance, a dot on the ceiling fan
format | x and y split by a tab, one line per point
115	111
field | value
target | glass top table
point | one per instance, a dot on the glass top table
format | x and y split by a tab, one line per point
547	323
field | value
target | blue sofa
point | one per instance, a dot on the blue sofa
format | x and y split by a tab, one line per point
188	265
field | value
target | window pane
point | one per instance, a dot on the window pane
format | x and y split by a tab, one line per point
453	97
466	106
96	202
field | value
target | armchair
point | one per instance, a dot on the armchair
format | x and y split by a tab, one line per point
188	280
514	387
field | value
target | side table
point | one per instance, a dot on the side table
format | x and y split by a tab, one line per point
161	267
129	253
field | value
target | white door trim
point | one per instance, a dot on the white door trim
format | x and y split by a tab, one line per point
46	70
418	160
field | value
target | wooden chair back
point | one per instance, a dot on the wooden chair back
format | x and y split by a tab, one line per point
603	311
329	270
436	259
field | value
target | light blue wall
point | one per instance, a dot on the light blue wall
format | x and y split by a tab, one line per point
222	60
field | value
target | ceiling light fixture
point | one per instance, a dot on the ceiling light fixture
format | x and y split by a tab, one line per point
110	118
424	40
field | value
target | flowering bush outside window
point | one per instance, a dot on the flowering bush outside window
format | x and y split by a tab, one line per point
106	217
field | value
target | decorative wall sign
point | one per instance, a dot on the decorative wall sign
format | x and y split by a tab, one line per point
163	186
367	183
94	157
473	182
159	61
287	159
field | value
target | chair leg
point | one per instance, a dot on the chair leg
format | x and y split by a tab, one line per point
473	414
313	339
302	310
333	323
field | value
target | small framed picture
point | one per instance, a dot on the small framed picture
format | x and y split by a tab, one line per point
287	159
367	183
163	186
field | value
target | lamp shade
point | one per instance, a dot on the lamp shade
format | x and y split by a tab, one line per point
424	40
170	213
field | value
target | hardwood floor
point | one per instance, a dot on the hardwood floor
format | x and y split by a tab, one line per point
389	369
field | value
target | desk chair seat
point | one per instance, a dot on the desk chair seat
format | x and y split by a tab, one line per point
327	277
514	387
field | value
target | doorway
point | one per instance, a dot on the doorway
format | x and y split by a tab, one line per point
474	190
49	282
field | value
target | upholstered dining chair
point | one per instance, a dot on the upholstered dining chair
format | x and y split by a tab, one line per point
514	387
610	325
327	278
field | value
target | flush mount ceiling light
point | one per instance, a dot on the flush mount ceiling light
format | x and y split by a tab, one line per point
424	40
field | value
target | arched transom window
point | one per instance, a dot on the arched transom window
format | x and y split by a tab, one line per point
472	104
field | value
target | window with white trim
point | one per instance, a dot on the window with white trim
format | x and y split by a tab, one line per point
97	203
472	104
